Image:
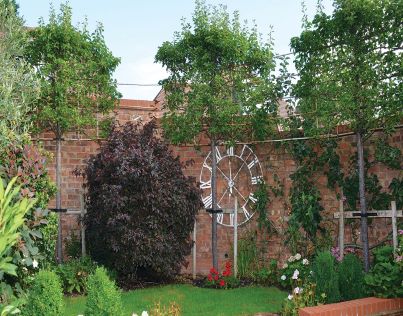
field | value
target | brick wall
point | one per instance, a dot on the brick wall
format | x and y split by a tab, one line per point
273	160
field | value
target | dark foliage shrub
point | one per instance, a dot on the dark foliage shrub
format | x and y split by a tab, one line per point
326	277
45	297
103	296
74	274
140	207
351	278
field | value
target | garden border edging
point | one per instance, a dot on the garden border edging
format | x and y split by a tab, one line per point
361	307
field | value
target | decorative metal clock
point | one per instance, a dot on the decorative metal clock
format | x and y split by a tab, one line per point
238	175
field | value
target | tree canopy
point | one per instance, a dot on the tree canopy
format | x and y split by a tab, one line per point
350	67
75	67
220	78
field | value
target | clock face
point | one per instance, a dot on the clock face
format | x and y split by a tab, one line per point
238	175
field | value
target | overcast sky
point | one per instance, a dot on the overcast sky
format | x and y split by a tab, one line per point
135	29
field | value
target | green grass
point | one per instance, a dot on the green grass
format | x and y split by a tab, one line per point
195	301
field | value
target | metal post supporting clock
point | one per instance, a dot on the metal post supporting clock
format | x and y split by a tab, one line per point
238	175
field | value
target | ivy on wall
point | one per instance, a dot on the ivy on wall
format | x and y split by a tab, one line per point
316	157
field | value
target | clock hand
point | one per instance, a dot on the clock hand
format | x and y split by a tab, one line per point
230	176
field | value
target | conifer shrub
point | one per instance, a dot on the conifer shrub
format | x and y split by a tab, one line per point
103	296
45	297
140	207
326	277
351	278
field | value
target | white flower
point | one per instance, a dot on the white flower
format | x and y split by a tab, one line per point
134	314
283	277
305	262
285	266
290	297
297	256
295	275
297	290
144	313
35	264
311	272
291	259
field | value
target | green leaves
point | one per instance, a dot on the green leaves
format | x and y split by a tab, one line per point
12	212
350	67
75	68
19	87
385	278
220	78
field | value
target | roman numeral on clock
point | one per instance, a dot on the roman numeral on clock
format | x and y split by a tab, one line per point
207	201
252	198
220	217
205	165
252	163
230	151
231	219
205	185
245	212
255	180
218	154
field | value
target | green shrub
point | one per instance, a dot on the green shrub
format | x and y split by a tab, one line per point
45	297
351	278
266	275
103	296
74	274
386	277
326	277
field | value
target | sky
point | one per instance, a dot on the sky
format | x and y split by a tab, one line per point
134	29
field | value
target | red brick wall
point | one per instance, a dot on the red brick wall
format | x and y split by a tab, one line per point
273	160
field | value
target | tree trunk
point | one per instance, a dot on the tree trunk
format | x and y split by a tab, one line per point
363	206
214	204
59	196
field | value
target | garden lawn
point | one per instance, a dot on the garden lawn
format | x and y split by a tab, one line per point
194	300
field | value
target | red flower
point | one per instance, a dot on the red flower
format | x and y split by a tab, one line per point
213	271
222	283
216	277
225	273
228	265
209	277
